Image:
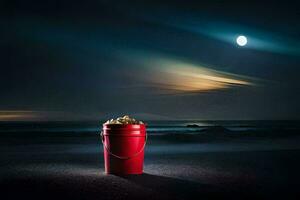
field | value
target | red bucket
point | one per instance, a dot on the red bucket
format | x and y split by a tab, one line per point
124	146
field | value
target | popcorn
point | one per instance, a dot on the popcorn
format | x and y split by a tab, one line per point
123	120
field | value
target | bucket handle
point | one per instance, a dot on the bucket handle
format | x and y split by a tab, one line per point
122	157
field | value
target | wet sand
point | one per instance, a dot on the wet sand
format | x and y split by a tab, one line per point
71	167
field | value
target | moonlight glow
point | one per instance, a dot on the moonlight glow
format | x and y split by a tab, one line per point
241	40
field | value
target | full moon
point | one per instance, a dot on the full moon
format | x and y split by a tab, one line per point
241	40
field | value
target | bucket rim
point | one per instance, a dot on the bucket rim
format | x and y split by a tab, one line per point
124	129
124	126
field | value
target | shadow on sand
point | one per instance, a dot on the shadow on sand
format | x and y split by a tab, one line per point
175	188
112	187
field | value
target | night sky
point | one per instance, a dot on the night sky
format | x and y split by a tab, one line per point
90	60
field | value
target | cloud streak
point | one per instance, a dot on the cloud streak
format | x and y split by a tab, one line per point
15	115
34	115
175	75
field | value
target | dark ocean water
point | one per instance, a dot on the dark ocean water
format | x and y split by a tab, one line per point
154	127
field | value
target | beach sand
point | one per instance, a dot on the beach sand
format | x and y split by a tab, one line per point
71	167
